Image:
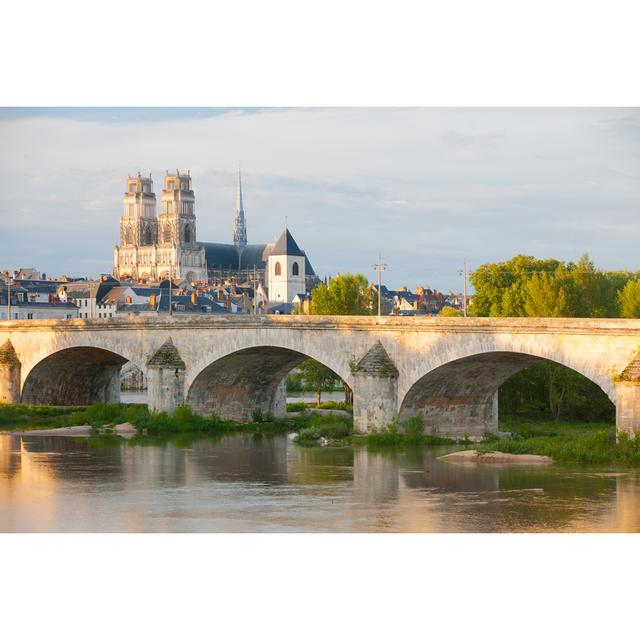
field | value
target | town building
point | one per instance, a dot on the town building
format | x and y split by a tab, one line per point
23	309
154	248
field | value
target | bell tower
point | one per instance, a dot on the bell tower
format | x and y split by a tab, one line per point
179	254
134	257
177	219
138	222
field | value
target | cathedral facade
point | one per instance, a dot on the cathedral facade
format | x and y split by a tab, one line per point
152	248
155	247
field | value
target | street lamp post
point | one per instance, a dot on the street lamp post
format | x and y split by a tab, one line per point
9	294
463	273
379	267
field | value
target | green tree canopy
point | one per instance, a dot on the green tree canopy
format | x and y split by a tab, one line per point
629	299
449	312
346	294
525	286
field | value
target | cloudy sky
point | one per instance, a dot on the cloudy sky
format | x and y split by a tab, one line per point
425	187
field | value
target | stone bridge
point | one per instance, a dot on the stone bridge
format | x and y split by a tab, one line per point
447	370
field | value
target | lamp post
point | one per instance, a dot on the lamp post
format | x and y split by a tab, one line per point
9	294
463	273
379	267
170	286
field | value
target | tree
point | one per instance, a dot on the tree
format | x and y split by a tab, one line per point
316	376
449	312
346	294
499	287
629	299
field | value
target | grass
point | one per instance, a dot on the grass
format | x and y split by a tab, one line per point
102	416
570	443
409	433
23	416
329	404
339	429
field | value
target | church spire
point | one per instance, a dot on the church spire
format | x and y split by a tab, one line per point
239	226
239	206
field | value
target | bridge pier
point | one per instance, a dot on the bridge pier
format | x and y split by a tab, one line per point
375	391
628	407
165	379
9	374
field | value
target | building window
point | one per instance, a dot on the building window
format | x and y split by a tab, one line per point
295	269
278	270
187	234
29	316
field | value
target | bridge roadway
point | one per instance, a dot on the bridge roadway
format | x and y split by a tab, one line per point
447	370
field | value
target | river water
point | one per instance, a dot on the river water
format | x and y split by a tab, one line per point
268	484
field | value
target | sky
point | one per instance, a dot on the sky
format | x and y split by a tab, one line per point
426	188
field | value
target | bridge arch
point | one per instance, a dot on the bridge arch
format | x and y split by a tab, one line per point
77	375
460	397
235	385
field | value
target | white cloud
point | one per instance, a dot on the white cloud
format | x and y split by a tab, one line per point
426	187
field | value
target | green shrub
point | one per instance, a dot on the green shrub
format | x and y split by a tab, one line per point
296	406
325	426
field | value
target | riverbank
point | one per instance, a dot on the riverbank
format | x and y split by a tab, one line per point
571	443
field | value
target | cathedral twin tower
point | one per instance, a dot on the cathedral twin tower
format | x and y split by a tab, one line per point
158	247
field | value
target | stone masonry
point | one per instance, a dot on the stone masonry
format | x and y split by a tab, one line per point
445	370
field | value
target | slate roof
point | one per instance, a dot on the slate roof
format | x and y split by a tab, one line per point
377	362
166	356
286	246
225	256
284	308
8	353
189	307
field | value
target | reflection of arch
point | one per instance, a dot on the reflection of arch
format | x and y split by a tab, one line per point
461	395
75	376
295	270
233	386
278	269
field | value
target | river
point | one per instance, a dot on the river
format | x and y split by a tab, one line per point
268	484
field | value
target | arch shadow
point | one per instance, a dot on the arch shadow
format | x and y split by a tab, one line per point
237	384
75	376
460	397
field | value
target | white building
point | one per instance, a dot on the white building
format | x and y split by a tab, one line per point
286	270
38	310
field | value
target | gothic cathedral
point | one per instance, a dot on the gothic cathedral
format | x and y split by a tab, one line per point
152	248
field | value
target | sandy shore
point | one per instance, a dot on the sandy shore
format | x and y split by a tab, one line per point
495	457
125	430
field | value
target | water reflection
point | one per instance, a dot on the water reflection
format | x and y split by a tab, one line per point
249	483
